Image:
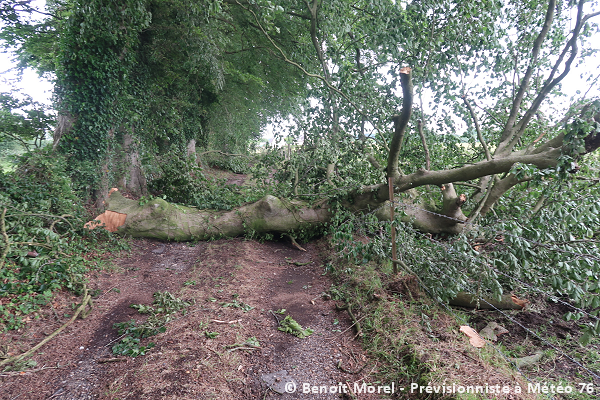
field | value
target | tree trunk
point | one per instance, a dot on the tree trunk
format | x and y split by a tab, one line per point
133	179
64	123
161	220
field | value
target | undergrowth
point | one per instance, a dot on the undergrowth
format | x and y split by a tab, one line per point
43	244
183	181
412	339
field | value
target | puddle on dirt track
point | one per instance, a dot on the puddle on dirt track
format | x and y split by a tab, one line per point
185	363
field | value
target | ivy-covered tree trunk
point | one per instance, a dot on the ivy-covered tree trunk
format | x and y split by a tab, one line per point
133	179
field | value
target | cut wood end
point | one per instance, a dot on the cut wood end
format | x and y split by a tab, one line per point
110	220
405	70
519	302
474	338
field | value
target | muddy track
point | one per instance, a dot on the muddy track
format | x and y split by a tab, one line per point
185	363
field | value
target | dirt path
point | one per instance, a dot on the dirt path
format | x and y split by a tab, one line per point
218	276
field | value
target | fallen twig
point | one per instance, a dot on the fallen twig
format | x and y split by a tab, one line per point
345	330
313	300
294	243
214	351
356	324
17	373
84	303
110	360
243	348
299	264
276	319
226	322
350	393
341	368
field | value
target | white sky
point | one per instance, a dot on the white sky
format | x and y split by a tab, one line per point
38	88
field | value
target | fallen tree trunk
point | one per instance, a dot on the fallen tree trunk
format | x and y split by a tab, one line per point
165	221
468	300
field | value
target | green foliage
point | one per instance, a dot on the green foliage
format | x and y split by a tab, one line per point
183	181
129	346
237	164
552	253
23	121
22	364
162	311
32	37
239	305
44	226
289	325
40	185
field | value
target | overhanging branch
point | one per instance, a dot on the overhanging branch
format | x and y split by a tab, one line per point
544	159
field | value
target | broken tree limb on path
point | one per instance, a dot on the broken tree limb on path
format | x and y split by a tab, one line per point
161	220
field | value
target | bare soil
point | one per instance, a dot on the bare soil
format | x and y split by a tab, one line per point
185	363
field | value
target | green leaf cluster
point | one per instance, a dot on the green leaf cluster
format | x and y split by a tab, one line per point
289	325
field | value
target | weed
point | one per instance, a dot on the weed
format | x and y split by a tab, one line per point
21	365
129	346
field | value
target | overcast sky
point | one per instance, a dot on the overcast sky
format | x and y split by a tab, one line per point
39	89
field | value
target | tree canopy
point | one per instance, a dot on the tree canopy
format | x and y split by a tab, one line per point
456	102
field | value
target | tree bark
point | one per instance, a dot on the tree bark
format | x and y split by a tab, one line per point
134	179
161	220
64	123
400	124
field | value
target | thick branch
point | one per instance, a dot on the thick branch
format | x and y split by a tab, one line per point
537	44
497	191
544	159
400	123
